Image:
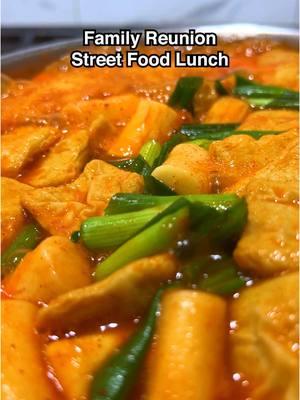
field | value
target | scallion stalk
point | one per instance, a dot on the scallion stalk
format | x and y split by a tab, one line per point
185	91
206	131
274	104
109	231
204	143
201	133
150	151
220	88
224	282
213	273
126	202
123	164
156	238
264	91
115	379
266	96
167	147
25	241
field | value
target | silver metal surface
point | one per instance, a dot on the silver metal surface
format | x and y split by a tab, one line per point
26	63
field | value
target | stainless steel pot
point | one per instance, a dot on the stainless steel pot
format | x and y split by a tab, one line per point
25	63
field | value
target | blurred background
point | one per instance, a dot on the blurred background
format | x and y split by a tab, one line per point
29	22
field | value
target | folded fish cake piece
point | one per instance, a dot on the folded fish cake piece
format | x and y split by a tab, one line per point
102	133
116	109
44	97
272	120
278	180
240	156
106	119
227	110
263	347
279	67
60	210
124	294
12	212
107	180
63	163
234	158
269	244
75	360
23	144
54	267
152	120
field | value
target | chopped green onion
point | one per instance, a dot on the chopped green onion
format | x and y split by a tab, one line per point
75	237
220	88
150	151
144	164
266	96
219	134
222	221
259	102
273	104
140	166
25	241
232	222
206	131
242	81
169	209
109	231
226	282
117	376
262	91
166	149
123	164
221	216
216	273
257	134
156	238
126	202
223	224
284	103
205	143
154	187
239	80
185	91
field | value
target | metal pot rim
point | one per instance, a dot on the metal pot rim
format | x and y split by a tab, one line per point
50	51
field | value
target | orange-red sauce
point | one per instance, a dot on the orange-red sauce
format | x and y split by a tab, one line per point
41	100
